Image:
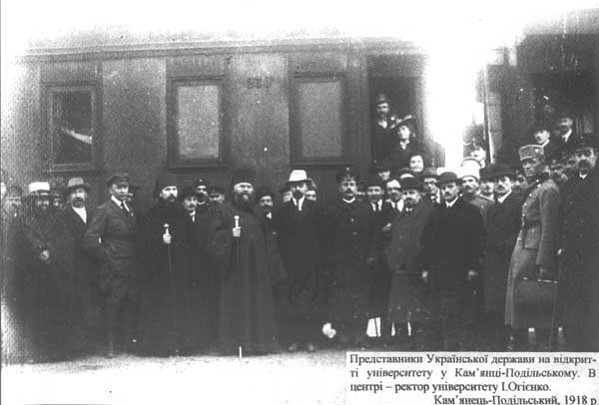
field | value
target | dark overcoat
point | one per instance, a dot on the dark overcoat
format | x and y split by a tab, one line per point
205	283
452	242
503	224
166	307
579	264
246	266
536	245
300	239
352	238
403	256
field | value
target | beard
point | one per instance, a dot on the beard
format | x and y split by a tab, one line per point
243	201
297	195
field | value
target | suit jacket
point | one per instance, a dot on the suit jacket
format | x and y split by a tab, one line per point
452	243
111	237
299	236
565	148
74	230
503	224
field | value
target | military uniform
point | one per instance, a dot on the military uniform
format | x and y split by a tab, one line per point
536	246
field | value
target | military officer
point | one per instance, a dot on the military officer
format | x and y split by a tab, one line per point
534	255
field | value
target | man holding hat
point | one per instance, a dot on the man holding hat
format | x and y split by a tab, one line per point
352	235
299	230
503	224
403	258
534	255
111	237
166	308
579	258
452	250
245	257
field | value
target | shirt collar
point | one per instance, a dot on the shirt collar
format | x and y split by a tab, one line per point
348	201
451	204
299	203
118	202
502	198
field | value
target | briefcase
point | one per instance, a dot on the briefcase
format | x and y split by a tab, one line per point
535	293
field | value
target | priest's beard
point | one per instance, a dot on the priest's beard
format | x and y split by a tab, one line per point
243	201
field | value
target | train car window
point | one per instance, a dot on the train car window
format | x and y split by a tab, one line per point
71	127
195	130
319	119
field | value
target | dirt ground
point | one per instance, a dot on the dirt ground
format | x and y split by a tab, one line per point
288	378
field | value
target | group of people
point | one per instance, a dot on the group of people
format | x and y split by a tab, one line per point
469	259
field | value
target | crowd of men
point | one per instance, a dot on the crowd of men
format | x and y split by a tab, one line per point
465	259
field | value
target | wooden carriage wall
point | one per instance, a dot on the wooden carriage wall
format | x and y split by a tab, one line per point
206	108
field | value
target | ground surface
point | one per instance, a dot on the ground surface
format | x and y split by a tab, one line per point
297	378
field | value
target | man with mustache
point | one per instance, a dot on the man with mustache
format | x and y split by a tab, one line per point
503	224
85	309
166	306
470	177
246	259
567	138
579	257
299	231
534	255
353	241
452	249
111	238
403	260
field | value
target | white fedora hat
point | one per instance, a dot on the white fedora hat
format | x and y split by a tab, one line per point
297	176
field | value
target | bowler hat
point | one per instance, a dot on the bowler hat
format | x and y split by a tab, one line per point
187	191
429	172
374	181
485	173
381	98
216	189
75	183
410	183
403	173
500	170
117	178
448	177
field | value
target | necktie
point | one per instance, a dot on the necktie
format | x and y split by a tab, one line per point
124	208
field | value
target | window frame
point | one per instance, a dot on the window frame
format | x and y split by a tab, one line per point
48	91
295	142
175	161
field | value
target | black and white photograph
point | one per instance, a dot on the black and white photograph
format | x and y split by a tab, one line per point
296	202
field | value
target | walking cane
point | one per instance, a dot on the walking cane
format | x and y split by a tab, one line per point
554	309
236	218
172	285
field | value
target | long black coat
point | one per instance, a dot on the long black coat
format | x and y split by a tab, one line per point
166	308
503	224
579	264
352	238
403	258
300	239
204	279
247	269
452	245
